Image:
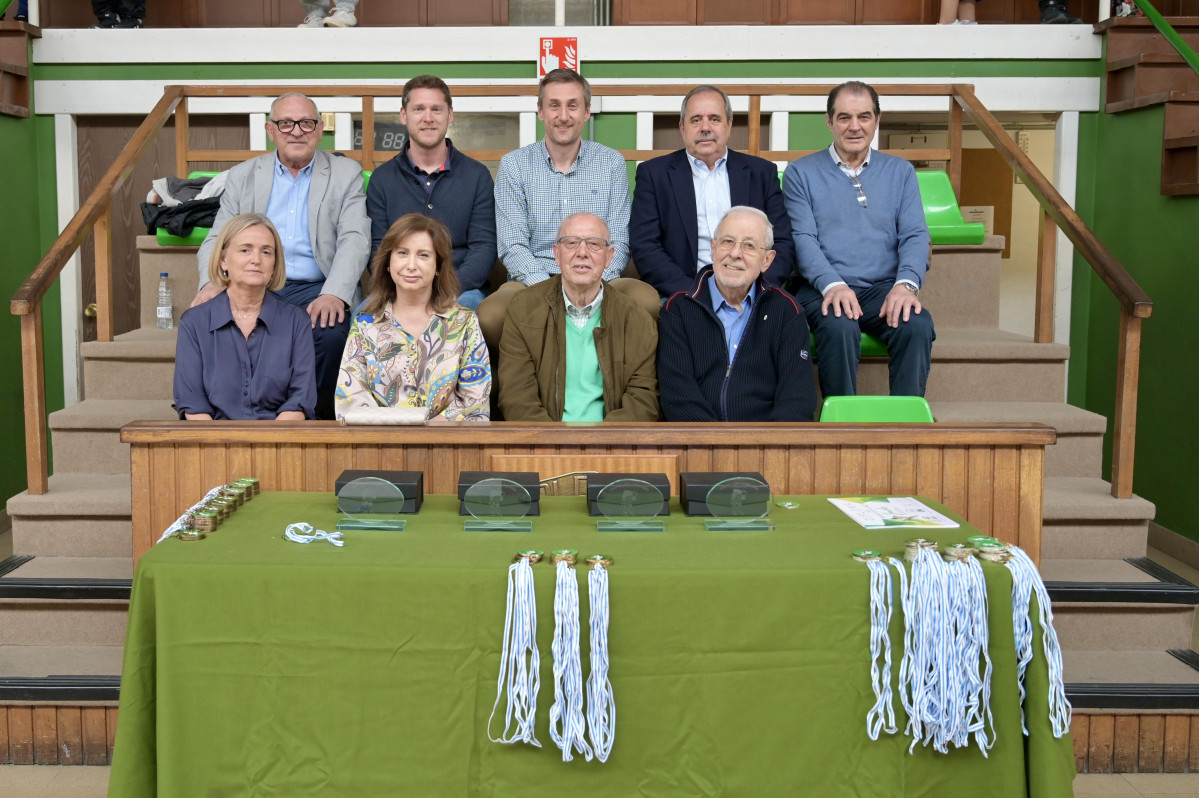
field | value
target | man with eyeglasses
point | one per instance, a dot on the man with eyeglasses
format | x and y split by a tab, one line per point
315	201
429	176
735	348
680	198
862	246
573	348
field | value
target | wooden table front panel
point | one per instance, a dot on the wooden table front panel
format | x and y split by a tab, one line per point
992	475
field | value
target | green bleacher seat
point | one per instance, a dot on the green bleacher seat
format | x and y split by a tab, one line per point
876	409
198	234
871	346
941	211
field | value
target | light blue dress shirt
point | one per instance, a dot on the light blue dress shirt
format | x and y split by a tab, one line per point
288	209
732	321
712	202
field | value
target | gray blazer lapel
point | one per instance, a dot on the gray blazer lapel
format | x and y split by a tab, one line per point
264	179
316	197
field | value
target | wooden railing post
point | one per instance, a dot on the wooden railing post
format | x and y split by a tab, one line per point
182	140
955	149
33	376
102	239
755	124
368	133
1124	425
1046	277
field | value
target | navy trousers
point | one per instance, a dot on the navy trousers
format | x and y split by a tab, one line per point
329	342
839	343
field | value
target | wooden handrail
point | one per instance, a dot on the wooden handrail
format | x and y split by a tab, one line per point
1135	304
1126	290
94	215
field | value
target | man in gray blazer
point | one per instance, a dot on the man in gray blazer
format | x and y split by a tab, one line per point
316	202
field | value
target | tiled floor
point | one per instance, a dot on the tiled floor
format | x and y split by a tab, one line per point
92	782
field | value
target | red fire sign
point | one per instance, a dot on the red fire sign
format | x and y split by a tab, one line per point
557	52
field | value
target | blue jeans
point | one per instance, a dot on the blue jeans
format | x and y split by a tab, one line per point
839	343
329	342
471	299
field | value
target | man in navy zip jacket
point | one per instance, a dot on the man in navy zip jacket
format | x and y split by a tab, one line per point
734	348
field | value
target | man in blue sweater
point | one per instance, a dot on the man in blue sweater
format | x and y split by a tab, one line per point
429	176
733	347
862	246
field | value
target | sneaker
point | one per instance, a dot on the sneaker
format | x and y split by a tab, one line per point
21	18
128	23
315	19
1057	15
341	18
107	21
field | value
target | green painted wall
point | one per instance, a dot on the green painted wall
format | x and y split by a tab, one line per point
1154	237
27	211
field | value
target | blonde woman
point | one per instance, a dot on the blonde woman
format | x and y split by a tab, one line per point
412	344
245	353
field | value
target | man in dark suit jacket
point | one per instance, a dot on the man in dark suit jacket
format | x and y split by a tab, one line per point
680	198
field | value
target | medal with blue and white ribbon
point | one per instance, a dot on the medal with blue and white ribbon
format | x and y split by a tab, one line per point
601	704
519	680
568	724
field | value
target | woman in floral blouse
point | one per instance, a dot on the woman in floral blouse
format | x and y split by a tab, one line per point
412	344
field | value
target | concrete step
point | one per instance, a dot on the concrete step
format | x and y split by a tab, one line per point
1083	520
1079	448
87	435
978	365
1119	605
82	515
65	601
137	365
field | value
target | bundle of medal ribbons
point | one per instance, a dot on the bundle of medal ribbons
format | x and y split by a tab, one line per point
944	680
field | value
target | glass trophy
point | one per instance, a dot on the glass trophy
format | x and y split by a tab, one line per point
629	505
497	505
370	503
738	504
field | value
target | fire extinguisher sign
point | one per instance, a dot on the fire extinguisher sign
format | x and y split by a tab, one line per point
557	52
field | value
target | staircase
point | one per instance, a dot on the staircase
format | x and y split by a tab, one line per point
1143	70
63	603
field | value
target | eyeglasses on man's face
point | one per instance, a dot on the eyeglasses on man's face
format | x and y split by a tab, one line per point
287	125
748	245
594	245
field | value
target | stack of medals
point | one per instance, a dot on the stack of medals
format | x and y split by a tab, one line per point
911	548
222	503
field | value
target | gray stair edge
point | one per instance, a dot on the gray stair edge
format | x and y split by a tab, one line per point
1090	498
73	495
1065	418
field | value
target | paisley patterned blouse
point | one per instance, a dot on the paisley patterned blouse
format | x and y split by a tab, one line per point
445	369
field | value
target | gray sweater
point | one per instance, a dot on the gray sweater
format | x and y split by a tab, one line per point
837	239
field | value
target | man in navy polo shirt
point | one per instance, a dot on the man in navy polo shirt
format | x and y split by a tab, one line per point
430	177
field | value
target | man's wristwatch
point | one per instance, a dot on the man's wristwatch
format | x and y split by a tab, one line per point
911	288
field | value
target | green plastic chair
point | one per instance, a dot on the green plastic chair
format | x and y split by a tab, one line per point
941	212
198	234
876	409
871	346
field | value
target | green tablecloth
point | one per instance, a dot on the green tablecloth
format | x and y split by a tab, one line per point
259	667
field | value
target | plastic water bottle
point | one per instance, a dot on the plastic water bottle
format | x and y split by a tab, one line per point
166	318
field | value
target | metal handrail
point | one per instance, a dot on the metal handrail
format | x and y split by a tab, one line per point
94	217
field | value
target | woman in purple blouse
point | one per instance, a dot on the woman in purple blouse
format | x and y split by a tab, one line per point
245	353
